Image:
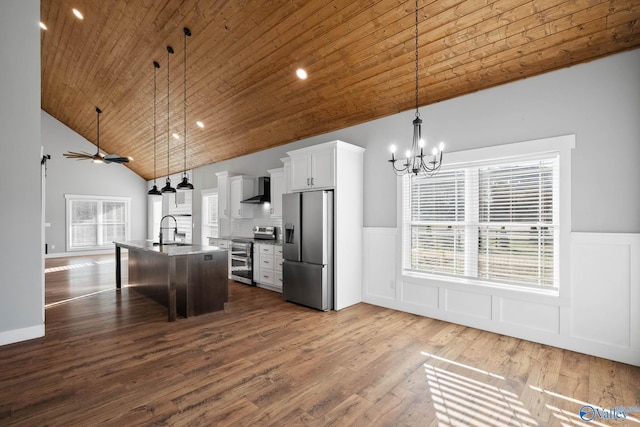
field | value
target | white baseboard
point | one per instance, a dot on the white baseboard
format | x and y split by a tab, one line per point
23	334
79	253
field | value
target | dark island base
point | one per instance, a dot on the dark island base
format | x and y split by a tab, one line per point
188	285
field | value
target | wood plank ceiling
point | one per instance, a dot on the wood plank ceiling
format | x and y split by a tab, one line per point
242	57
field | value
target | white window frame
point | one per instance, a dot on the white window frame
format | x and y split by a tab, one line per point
70	198
206	227
562	145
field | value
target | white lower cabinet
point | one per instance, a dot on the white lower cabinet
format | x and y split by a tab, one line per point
222	244
267	268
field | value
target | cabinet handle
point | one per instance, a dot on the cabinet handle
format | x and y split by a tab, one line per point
307	181
272	211
311	181
239	210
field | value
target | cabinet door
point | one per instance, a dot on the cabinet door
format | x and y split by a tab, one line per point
223	197
323	166
241	188
277	189
300	172
235	188
256	265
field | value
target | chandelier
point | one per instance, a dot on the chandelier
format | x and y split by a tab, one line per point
416	161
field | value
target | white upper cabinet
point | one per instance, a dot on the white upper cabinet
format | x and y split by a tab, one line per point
313	167
277	189
241	188
223	194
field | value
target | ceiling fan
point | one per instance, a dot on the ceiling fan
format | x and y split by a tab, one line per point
99	157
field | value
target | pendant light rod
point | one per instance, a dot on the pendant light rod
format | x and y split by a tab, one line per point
185	184
98	158
168	188
154	191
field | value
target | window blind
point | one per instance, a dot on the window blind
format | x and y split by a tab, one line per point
495	221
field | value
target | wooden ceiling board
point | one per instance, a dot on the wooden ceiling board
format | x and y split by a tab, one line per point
242	57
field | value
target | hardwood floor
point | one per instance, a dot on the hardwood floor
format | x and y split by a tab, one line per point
111	358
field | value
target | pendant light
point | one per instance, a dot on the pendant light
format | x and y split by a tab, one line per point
415	163
168	188
185	184
154	191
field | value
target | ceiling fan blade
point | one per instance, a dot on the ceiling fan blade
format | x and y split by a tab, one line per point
79	156
114	158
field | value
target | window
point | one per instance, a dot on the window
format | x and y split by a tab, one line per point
94	222
489	219
209	215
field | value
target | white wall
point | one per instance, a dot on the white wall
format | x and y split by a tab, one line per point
21	263
68	176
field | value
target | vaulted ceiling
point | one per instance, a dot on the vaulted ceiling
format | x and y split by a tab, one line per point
242	57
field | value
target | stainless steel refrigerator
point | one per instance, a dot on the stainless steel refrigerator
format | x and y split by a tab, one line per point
307	268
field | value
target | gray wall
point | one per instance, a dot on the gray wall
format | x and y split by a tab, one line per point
21	263
599	102
67	176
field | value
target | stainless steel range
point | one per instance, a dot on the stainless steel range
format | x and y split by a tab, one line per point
241	261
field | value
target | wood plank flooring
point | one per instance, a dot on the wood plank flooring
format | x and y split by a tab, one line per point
111	358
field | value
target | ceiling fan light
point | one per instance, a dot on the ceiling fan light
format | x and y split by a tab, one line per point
185	184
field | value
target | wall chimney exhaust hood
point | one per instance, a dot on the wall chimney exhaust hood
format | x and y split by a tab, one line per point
264	192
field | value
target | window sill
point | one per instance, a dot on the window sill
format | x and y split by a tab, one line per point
486	288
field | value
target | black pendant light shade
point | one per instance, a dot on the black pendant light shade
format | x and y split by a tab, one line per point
168	188
185	184
154	191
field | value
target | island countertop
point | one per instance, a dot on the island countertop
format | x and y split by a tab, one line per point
171	249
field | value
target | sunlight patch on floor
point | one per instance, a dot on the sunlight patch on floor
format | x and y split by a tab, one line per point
69	267
53	304
461	400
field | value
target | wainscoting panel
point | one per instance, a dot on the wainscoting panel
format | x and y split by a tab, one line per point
379	256
600	314
530	315
604	291
420	295
468	304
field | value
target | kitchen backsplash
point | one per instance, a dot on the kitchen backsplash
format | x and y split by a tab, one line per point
244	227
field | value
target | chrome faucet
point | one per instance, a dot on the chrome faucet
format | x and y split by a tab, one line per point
168	228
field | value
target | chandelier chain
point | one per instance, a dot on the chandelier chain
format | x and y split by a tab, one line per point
155	71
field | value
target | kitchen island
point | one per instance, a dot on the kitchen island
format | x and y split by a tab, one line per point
187	279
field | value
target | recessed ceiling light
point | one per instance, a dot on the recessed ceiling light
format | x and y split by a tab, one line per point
44	27
302	74
176	136
200	124
77	13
